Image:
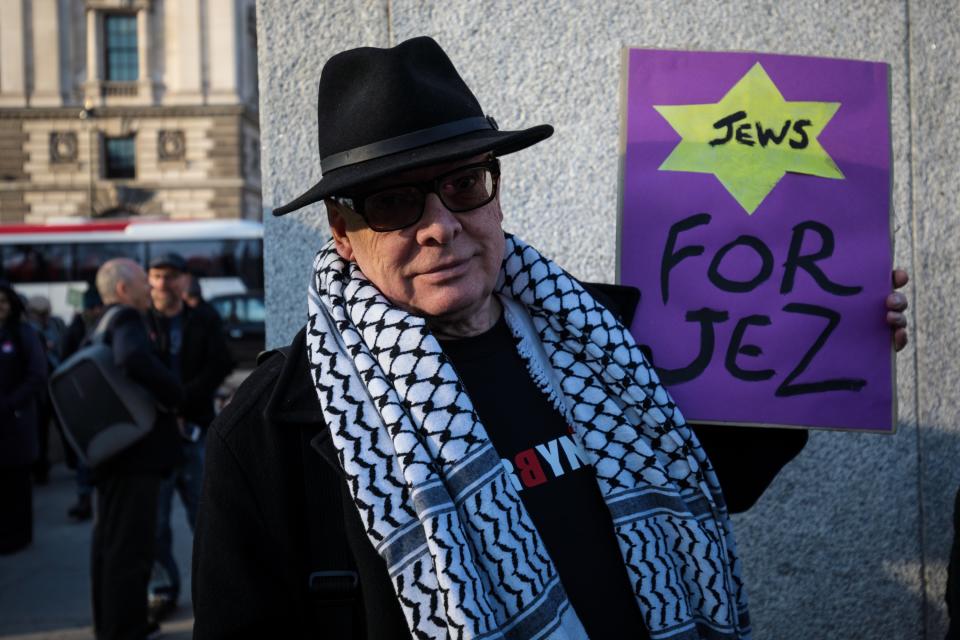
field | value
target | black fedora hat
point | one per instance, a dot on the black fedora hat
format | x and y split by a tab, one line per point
382	111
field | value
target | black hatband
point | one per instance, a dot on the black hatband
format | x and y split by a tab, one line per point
406	142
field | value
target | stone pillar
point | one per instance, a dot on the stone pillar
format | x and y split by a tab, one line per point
144	81
222	46
12	64
182	52
93	96
46	55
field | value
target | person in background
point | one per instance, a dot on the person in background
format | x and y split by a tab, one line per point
193	295
193	298
82	322
23	376
50	327
127	485
193	341
80	326
51	330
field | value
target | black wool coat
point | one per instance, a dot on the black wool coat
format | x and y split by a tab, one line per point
270	461
205	359
23	372
136	354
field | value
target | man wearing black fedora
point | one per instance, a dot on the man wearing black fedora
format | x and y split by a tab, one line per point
463	441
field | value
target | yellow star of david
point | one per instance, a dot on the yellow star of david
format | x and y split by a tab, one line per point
751	138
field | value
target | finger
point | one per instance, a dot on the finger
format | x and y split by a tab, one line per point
899	339
896	301
896	320
900	278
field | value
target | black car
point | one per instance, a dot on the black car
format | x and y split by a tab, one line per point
243	317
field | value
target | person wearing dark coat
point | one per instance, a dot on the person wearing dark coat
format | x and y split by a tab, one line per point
82	322
192	339
127	485
51	330
23	374
270	461
464	441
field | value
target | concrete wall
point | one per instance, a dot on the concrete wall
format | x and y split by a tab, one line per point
853	538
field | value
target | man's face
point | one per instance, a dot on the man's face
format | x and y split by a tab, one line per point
136	289
444	267
166	288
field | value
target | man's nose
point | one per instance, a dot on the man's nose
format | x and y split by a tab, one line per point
438	225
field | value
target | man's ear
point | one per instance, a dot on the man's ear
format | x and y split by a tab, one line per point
336	217
120	290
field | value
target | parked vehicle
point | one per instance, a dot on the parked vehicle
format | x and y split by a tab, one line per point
243	317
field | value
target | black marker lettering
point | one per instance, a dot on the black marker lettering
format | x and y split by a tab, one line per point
707	318
737	348
798	128
743	135
728	123
787	388
766	135
808	262
736	286
670	258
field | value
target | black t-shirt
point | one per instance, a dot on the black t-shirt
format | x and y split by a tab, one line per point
556	484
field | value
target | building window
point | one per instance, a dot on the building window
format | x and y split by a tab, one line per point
120	157
120	47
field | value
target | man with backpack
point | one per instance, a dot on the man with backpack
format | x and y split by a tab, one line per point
127	484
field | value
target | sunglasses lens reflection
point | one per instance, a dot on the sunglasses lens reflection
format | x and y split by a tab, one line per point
401	206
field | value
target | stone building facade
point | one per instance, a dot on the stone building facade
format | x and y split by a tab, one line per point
119	108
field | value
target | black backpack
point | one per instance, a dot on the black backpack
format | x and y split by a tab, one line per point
102	411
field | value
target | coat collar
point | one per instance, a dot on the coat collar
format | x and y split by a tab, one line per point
294	399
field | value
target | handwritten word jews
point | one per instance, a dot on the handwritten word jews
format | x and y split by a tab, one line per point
743	135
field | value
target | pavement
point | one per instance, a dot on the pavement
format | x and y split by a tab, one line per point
45	588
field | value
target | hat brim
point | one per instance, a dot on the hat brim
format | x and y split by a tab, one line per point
343	179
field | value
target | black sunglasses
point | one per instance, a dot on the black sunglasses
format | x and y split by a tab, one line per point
400	206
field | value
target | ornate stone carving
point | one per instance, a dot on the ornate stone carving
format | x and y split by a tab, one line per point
171	145
63	146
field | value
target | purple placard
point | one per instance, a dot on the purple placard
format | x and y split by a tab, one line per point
846	383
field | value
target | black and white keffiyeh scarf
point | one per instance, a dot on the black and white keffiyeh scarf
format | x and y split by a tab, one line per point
464	556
